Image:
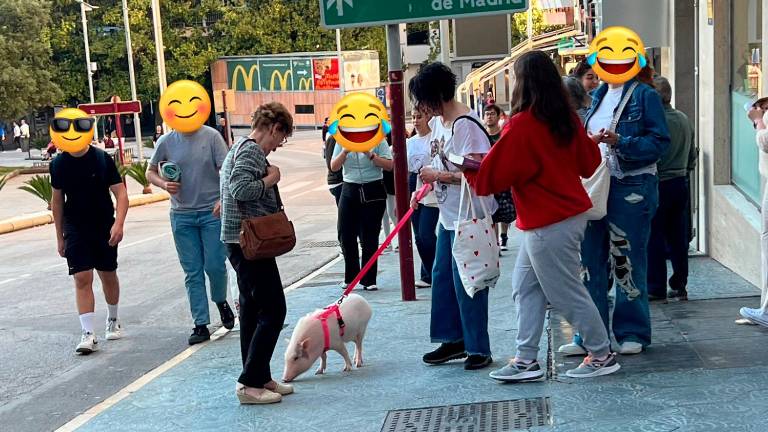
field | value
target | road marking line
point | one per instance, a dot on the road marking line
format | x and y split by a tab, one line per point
133	387
25	275
145	379
293	197
138	242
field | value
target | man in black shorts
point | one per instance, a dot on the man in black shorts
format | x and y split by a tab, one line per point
88	232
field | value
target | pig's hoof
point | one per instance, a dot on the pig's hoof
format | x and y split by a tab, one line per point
358	364
348	368
319	372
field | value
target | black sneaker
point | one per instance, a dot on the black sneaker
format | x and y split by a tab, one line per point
199	334
227	316
445	352
477	361
504	238
681	295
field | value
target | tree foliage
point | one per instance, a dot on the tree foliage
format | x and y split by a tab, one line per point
195	33
519	23
26	81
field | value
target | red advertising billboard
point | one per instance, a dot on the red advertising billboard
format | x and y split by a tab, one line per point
326	73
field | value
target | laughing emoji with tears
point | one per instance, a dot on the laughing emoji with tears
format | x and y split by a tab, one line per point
359	122
616	55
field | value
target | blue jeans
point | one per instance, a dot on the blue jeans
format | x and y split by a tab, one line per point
455	316
198	243
618	245
424	224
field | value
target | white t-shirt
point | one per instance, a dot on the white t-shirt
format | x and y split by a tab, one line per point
419	156
25	130
602	119
16	131
469	139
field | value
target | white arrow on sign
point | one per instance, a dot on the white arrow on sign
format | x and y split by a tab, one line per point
339	5
302	72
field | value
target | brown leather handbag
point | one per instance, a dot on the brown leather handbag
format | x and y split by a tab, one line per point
267	236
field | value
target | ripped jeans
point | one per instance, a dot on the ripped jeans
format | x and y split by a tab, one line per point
618	245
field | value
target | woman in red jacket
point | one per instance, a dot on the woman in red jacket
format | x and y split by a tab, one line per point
542	155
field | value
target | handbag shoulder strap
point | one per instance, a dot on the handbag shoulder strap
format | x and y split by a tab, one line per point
622	105
277	191
473	120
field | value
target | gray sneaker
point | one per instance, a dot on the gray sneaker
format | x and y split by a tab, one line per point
518	372
591	367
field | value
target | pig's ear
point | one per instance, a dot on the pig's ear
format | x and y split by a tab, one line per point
304	345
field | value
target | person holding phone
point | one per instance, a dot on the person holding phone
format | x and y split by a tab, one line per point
758	113
361	207
458	322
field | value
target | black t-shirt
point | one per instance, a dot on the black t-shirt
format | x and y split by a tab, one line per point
85	182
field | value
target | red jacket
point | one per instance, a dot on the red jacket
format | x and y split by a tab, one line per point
545	177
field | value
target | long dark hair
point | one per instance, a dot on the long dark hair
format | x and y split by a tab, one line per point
539	88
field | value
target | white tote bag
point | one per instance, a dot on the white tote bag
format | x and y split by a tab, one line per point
475	249
599	185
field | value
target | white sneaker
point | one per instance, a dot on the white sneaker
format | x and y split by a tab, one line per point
628	348
757	316
88	343
114	329
572	349
422	284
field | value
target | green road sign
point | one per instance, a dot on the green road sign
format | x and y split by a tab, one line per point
360	13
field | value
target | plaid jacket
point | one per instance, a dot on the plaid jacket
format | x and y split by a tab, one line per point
243	194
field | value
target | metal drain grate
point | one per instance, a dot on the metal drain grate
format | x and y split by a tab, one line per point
321	244
497	416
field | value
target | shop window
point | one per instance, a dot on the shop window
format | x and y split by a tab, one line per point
746	79
305	109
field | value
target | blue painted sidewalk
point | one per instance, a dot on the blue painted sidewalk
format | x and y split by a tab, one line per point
703	373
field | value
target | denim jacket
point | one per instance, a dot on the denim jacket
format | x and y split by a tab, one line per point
642	127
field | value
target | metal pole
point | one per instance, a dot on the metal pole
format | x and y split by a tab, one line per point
402	195
445	44
129	47
88	61
159	48
341	62
227	128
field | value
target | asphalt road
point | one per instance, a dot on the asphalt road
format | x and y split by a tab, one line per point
43	383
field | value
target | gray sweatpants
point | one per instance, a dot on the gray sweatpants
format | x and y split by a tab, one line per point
548	269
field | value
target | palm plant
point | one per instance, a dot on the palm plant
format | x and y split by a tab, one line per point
40	186
138	172
121	169
3	181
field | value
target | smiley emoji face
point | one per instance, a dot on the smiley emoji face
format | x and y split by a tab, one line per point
616	55
71	130
359	122
185	106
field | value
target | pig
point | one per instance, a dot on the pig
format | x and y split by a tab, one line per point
307	341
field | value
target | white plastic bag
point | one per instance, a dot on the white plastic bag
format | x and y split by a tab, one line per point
475	248
598	187
234	290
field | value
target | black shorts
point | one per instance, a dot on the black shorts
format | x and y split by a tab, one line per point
506	212
87	248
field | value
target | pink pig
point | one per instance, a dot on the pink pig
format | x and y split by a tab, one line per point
308	341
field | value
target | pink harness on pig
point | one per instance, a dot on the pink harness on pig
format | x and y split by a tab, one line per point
323	317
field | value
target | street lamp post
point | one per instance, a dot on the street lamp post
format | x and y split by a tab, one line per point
136	120
159	48
85	7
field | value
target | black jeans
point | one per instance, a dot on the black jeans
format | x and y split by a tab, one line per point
358	219
262	314
669	237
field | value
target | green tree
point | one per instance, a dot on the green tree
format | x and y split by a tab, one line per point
519	23
26	82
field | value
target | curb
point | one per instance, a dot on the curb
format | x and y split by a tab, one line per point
46	217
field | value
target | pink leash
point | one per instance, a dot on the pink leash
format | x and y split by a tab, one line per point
334	308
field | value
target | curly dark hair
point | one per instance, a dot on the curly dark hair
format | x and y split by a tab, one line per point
273	113
434	85
492	107
539	89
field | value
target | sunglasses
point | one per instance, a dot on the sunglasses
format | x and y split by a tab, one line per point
62	125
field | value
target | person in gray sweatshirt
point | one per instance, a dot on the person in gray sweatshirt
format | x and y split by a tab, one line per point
670	226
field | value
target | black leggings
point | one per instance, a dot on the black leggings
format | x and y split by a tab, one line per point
262	314
358	219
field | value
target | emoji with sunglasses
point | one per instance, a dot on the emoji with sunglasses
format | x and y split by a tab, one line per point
359	122
185	106
71	130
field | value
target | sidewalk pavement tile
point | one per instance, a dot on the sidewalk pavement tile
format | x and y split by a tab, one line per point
680	384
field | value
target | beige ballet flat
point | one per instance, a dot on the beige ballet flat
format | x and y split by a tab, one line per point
282	389
267	397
